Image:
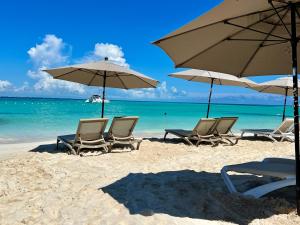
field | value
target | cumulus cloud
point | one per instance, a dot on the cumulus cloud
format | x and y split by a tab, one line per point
101	50
52	52
161	92
49	53
22	88
5	85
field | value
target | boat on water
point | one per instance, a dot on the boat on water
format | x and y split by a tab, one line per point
96	99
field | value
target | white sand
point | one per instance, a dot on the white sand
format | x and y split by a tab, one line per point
159	184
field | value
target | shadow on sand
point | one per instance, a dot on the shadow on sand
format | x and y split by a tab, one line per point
198	195
49	148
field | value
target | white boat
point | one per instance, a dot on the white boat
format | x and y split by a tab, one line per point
96	99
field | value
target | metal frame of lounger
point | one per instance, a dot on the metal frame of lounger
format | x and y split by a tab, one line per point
285	170
225	132
194	135
287	134
126	138
94	140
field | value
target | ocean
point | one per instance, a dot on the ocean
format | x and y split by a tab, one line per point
35	119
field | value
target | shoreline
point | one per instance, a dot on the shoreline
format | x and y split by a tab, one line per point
47	139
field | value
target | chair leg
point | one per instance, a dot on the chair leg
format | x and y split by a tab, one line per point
188	141
138	145
57	142
270	137
110	148
165	136
242	134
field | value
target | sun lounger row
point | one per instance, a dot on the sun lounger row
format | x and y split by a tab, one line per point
90	135
211	130
283	132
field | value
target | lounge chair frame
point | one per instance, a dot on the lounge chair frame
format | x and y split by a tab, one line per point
227	134
287	134
76	143
257	192
194	135
126	139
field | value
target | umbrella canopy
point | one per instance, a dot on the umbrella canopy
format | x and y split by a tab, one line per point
251	31
212	78
103	74
244	38
93	74
281	86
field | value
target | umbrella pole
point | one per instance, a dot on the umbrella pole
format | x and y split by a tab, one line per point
209	98
103	93
284	108
294	43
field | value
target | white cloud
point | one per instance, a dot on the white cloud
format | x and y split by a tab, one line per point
5	85
174	90
102	50
51	52
24	87
161	92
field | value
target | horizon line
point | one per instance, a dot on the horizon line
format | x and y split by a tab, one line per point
157	101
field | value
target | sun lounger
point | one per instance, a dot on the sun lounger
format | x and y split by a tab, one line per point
89	135
201	133
223	130
284	169
120	132
283	132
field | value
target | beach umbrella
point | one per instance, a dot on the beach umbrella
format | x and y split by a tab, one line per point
103	74
281	86
212	78
243	38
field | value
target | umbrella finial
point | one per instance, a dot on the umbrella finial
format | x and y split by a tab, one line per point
106	58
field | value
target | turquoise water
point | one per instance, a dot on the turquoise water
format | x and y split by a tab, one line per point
24	119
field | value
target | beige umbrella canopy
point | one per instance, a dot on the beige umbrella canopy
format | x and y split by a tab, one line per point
103	74
281	86
225	39
212	78
244	38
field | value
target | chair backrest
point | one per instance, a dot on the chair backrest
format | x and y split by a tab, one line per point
285	126
91	129
224	125
123	126
204	126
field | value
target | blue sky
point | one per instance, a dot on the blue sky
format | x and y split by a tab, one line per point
38	34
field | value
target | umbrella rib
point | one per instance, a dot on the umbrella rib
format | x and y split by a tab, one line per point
297	11
146	82
226	38
139	79
279	43
281	1
261	44
61	75
93	78
244	39
197	28
281	19
119	77
89	71
254	30
193	77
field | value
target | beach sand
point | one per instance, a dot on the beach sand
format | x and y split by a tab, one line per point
162	183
